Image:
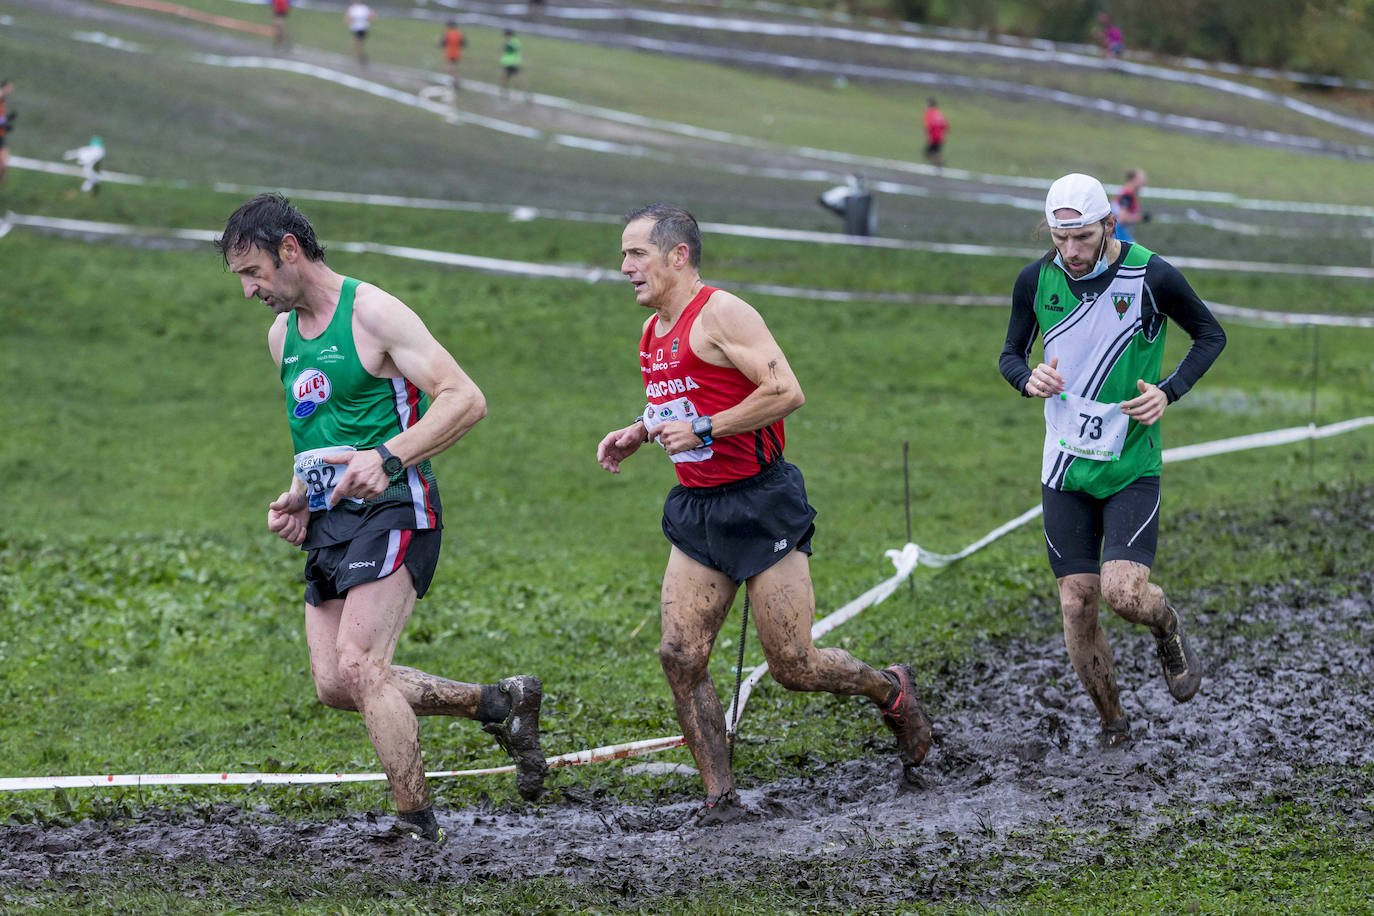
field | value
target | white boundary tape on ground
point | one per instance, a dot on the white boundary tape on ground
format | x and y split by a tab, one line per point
591	274
114	781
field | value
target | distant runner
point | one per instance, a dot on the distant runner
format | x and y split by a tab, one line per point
1126	205
718	388
358	17
453	41
6	123
371	396
1100	305
937	126
512	59
280	9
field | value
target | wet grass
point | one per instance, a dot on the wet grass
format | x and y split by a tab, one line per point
152	625
229	124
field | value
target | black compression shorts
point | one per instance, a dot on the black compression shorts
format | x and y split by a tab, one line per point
1082	532
372	554
744	527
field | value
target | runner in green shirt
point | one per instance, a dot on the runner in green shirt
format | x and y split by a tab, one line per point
371	396
1100	305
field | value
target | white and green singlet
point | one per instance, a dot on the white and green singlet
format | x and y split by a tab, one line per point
1107	332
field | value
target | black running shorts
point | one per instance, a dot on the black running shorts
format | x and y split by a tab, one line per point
743	527
1080	528
372	554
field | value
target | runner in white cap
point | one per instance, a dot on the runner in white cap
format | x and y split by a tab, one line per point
1100	306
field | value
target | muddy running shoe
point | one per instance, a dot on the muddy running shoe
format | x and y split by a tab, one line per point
518	734
416	826
1115	735
1182	669
907	720
725	808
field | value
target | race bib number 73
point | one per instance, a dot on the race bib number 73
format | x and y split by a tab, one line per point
1087	428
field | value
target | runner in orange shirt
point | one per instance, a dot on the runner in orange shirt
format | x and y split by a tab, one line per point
452	41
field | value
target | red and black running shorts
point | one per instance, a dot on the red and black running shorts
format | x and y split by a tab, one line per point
373	554
743	527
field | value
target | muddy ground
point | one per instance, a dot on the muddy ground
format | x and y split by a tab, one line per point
1284	714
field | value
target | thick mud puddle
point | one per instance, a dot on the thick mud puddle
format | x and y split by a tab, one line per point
1284	712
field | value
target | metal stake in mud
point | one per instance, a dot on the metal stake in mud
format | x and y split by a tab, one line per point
906	486
739	675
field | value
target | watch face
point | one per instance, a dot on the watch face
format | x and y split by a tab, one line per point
392	466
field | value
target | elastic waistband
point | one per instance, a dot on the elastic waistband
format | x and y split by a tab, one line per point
770	470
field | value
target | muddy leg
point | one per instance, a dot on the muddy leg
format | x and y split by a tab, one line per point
1127	588
1086	641
695	602
369	627
784	605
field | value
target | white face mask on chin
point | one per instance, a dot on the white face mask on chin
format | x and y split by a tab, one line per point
1097	269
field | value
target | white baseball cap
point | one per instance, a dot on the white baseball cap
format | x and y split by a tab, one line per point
1080	192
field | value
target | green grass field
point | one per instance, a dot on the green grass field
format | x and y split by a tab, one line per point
153	624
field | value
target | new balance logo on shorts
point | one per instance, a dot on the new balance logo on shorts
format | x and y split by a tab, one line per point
780	545
362	564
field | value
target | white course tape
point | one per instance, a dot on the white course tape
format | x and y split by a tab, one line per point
111	780
591	274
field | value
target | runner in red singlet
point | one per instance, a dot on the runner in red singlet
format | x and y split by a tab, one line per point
718	388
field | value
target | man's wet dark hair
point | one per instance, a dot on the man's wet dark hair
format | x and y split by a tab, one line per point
673	226
262	223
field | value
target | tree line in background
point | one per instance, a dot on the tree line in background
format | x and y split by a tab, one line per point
1327	37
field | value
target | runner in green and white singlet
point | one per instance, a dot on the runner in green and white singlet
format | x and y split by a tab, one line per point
371	396
1100	306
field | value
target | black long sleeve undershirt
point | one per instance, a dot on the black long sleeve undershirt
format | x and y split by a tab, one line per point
1166	295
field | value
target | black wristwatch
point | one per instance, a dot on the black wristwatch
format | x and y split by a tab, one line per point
701	428
390	463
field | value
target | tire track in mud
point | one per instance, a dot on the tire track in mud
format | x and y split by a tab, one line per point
1288	697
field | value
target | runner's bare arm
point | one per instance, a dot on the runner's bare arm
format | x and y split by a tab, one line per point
387	331
737	336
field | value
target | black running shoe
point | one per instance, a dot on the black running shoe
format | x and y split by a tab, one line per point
908	721
518	735
1182	669
725	808
1116	734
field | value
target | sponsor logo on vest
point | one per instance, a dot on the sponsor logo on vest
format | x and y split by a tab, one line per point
310	389
330	354
1053	305
670	387
1088	299
674	350
1122	301
289	360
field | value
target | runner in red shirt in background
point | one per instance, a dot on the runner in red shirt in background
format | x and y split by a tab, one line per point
937	125
718	388
279	10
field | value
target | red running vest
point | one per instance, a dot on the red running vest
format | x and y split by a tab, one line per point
674	375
